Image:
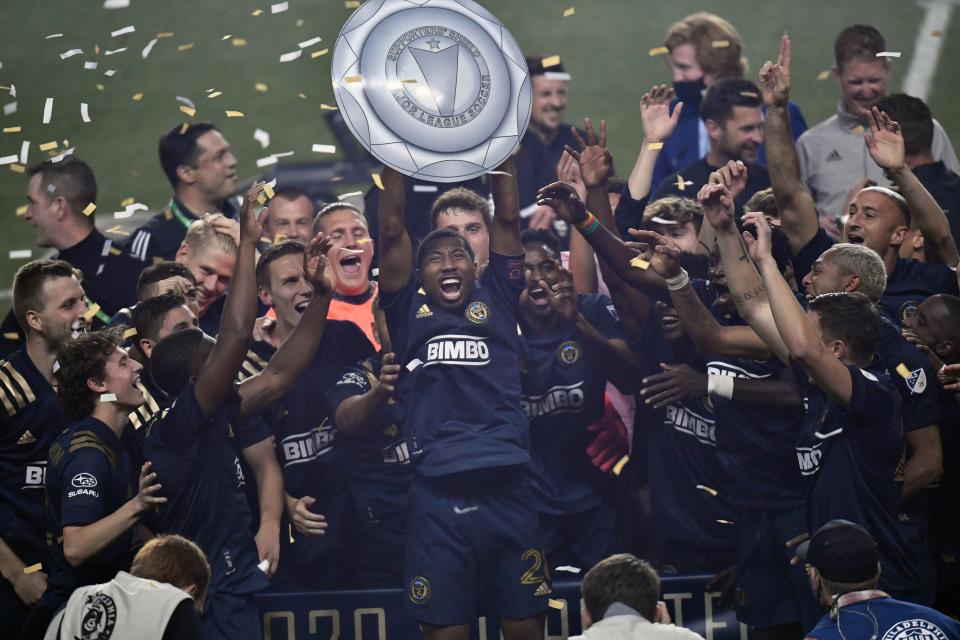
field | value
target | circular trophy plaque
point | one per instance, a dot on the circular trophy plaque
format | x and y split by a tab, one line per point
436	89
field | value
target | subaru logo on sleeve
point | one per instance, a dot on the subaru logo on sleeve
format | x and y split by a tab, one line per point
438	92
84	481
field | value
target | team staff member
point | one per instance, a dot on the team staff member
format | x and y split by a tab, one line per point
94	500
572	345
316	487
470	502
49	303
202	169
844	570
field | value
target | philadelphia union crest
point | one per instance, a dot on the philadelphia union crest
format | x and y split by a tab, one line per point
436	89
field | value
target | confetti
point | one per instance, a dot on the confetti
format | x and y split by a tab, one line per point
215	94
47	110
233	114
110	52
721	44
18	168
268	190
116	4
352	194
823	75
68	152
682	184
364	240
293	55
261	87
640	263
424	188
13	90
888	54
106	397
309	43
351	4
262	137
129	333
569	12
89	65
280	7
47	146
227	36
126	202
321	52
266	162
185	47
550	61
164	34
84	112
10	108
20	254
13	335
324	148
53	35
239	42
7	159
655	145
147	49
70	54
300	22
92	311
21	210
936	34
618	468
721	521
352	79
413	364
89	209
256	12
34	567
658	51
710	490
24	150
109	72
12	130
120	32
750	94
377	181
327	107
137	97
187	110
857	130
568	568
903	370
184	127
557	604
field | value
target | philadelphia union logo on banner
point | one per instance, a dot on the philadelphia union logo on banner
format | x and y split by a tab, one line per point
915	629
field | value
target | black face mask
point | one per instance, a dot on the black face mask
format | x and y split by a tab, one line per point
690	92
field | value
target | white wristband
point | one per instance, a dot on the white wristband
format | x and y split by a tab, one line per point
720	386
678	281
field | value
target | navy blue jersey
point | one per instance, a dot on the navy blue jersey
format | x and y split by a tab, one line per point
912	375
759	440
886	619
848	456
195	458
562	394
30	421
89	476
109	275
159	237
698	173
465	369
210	321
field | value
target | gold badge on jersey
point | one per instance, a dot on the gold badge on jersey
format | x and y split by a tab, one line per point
568	353
477	312
419	590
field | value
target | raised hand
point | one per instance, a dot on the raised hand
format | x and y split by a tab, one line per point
678	382
732	175
250	227
664	256
315	264
885	141
563	300
389	374
563	198
595	161
569	171
717	206
658	122
146	497
775	78
759	246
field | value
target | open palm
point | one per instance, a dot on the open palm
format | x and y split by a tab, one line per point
658	123
885	141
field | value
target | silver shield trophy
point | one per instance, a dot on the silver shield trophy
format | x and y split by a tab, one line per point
436	89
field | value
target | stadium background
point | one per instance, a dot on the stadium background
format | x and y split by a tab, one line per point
604	45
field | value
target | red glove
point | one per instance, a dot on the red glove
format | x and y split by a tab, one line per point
611	442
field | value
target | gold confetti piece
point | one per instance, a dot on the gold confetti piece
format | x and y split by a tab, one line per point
302	96
239	42
412	81
823	75
936	34
655	145
129	333
353	79
184	127
903	370
262	199
118	230
46	146
20	254
92	311
317	54
12	129
21	210
13	335
556	604
278	238
53	35
569	12
96	49
257	12
327	107
165	34
709	490
750	94
618	468
268	190
100	87
721	44
89	209
640	263
681	183
550	61
34	567
658	51
137	97
18	168
233	114
364	240
721	521
127	202
184	47
857	130
351	4
187	110
377	181
261	87
215	94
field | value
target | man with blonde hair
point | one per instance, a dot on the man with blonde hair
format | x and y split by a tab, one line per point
159	598
209	250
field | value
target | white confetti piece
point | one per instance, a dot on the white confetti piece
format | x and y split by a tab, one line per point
568	569
13	90
413	364
24	151
186	101
108	397
47	110
70	54
261	162
148	48
264	564
352	194
20	254
280	7
888	54
129	210
424	188
310	42
124	30
10	108
68	152
110	52
52	36
290	57
324	148
262	137
8	159
84	112
90	65
116	4
109	72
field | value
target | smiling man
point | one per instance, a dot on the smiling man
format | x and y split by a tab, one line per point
202	169
210	254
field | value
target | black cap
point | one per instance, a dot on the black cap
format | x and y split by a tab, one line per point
536	68
841	551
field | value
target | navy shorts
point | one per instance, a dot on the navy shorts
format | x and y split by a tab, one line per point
473	549
579	539
381	535
230	616
771	591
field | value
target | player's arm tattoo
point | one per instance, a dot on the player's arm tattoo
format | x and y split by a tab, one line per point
753	294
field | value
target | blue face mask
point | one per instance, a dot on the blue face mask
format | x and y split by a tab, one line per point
690	92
